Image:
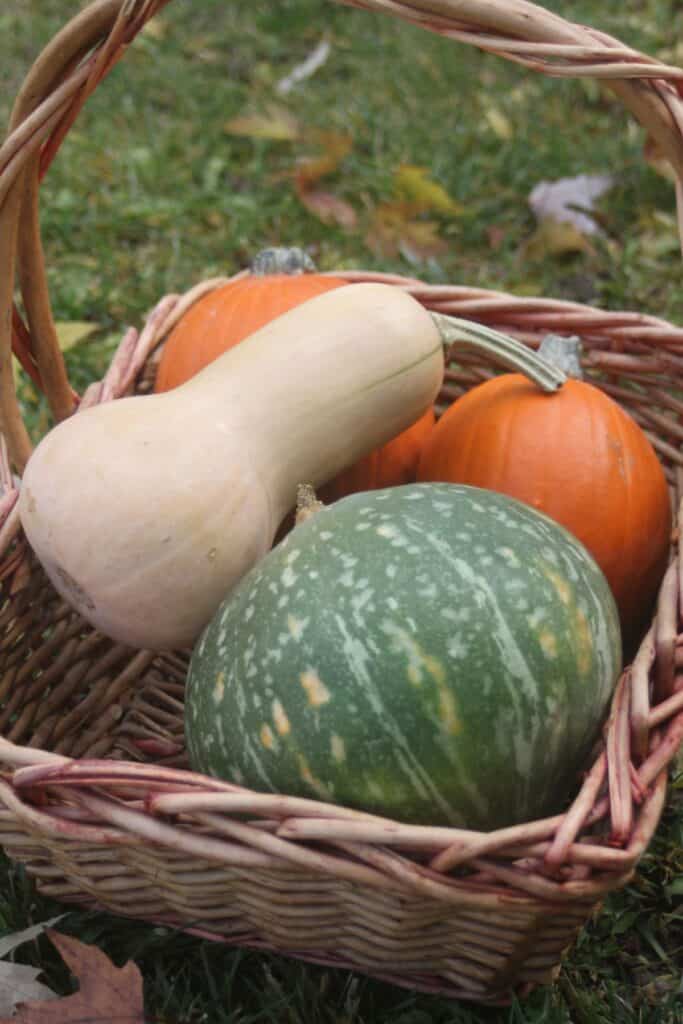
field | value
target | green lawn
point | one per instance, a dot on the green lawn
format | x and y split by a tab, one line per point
153	192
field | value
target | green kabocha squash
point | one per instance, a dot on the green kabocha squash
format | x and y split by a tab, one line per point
433	653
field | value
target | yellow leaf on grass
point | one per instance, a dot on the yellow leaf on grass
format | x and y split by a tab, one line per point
273	123
555	238
69	334
73	332
156	28
413	185
499	124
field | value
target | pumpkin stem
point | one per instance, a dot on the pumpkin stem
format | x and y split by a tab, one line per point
503	349
282	260
307	503
563	352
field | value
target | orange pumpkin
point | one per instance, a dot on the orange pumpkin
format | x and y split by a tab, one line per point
393	464
575	455
224	317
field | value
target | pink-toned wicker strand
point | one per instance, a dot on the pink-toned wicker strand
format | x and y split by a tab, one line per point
619	763
640	695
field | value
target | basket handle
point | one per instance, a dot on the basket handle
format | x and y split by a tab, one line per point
76	60
66	72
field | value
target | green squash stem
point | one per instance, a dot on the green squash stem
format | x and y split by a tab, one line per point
282	260
563	352
504	350
307	503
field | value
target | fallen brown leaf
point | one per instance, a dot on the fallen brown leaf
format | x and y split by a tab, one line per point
329	208
106	994
310	170
393	231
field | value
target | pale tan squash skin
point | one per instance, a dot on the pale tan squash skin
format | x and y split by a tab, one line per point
146	511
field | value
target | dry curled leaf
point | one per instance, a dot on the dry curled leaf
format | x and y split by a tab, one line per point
106	993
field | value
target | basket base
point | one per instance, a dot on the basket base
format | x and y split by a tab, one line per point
464	953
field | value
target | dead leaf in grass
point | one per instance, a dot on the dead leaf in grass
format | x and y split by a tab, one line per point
14	939
18	985
275	123
335	147
156	28
106	993
499	123
564	211
278	123
570	200
72	332
414	187
329	208
657	161
18	981
555	238
393	231
402	226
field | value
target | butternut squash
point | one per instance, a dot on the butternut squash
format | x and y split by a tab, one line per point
147	510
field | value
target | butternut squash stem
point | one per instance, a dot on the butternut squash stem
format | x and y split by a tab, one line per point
510	353
307	503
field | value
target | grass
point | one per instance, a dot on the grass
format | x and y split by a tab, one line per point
151	193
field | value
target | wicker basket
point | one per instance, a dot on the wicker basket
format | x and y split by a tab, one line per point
96	799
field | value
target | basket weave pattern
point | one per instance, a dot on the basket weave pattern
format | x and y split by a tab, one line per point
95	795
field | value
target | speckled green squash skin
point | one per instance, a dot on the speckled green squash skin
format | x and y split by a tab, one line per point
433	653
